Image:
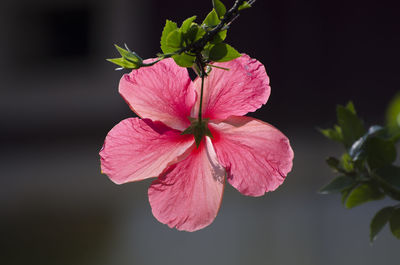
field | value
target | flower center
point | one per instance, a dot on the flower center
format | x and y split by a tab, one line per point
199	129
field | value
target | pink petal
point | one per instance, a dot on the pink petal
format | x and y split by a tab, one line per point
137	149
242	89
162	92
188	195
256	155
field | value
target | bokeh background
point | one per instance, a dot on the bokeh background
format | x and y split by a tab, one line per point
59	98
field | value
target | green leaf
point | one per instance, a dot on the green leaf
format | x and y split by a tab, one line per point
223	52
186	24
174	39
124	63
212	19
395	223
379	221
393	115
352	127
184	60
338	184
245	5
219	37
219	8
390	175
333	134
168	28
380	152
363	193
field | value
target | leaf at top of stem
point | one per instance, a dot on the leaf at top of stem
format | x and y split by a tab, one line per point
186	24
168	28
219	8
212	19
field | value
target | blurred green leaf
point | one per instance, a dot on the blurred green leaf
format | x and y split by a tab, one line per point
338	184
345	194
379	221
357	150
219	8
395	223
380	152
212	19
184	60
363	193
347	162
333	163
223	52
174	39
391	175
333	134
352	127
393	115
168	28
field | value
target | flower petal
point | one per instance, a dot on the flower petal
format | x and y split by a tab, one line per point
188	195
242	89
256	155
137	149
162	92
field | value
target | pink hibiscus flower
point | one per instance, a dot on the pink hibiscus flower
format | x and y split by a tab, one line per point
253	155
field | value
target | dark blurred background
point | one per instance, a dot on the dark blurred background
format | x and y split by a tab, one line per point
59	98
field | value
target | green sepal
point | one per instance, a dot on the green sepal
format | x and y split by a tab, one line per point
223	52
219	8
198	129
338	184
129	55
168	28
363	193
124	63
394	222
379	221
